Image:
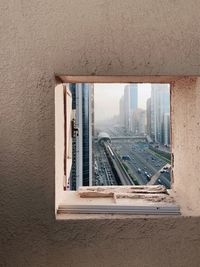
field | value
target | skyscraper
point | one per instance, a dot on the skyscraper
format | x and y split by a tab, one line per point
121	112
133	96
160	104
127	114
82	167
166	128
133	104
72	87
139	121
148	116
130	104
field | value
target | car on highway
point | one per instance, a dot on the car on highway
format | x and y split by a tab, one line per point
126	157
148	177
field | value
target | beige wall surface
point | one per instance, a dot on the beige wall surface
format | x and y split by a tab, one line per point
39	38
185	102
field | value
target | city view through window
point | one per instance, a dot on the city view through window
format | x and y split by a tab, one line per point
121	134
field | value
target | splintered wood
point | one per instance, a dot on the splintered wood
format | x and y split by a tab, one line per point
154	193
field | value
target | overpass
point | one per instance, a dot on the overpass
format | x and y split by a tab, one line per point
122	174
139	137
121	137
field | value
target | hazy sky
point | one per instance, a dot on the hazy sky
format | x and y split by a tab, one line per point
107	96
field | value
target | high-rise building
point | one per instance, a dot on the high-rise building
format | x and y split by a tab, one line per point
121	112
148	116
133	103
83	104
72	87
130	104
133	96
166	129
160	104
127	114
139	121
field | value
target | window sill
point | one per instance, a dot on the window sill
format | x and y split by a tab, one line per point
75	207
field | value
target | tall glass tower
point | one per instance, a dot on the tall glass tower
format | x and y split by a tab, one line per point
82	163
130	104
133	97
160	105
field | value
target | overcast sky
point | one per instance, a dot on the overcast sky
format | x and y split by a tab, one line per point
107	96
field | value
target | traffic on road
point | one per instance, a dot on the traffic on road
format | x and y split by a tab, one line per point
138	159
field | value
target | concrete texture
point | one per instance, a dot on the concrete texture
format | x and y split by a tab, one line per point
185	99
78	37
59	144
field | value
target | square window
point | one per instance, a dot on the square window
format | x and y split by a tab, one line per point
117	147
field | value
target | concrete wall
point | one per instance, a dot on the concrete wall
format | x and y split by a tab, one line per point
185	103
98	37
59	145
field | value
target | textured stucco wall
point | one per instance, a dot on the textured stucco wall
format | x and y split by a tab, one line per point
185	103
39	38
59	144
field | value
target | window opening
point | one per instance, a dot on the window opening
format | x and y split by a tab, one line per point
120	134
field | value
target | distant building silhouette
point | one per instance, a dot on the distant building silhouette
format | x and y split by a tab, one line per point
139	121
160	105
130	104
148	117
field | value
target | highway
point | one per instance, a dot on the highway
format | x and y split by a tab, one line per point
116	163
144	159
143	163
103	171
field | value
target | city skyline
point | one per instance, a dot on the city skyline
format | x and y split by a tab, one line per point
105	94
136	108
125	149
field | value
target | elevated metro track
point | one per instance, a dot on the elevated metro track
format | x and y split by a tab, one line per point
123	177
143	138
128	138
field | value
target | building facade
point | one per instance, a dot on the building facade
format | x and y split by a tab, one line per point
82	163
166	129
148	117
130	105
72	87
160	105
121	112
139	122
127	114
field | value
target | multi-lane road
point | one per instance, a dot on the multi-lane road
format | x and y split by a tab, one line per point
142	163
121	174
103	171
